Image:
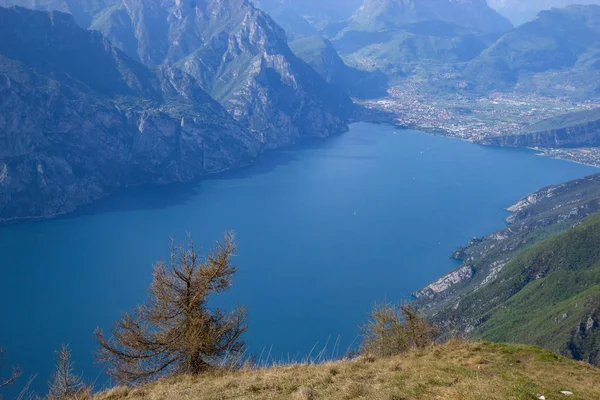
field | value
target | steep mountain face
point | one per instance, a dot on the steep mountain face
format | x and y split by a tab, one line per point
240	57
566	39
376	15
519	11
581	129
320	54
79	119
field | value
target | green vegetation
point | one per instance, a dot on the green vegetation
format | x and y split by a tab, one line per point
547	295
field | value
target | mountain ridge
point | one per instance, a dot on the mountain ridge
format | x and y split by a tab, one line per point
67	140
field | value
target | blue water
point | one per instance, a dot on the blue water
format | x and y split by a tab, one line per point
324	230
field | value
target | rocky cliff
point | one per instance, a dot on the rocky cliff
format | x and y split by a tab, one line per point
580	129
80	119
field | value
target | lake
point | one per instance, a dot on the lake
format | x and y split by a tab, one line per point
324	230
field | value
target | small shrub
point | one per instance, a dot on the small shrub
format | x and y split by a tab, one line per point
393	329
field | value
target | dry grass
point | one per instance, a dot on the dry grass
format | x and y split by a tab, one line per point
456	370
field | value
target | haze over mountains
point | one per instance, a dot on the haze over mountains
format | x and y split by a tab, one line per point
376	15
521	11
565	40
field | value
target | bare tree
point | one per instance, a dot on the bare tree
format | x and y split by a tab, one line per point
65	383
393	329
175	331
9	380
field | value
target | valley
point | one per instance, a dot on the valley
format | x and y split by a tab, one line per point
353	146
491	119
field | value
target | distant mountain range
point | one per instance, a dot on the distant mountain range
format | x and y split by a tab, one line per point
376	15
396	36
521	11
565	40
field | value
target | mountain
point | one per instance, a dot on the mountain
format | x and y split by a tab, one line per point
239	55
542	266
294	24
400	52
80	119
519	11
377	15
398	37
84	11
320	54
579	129
565	40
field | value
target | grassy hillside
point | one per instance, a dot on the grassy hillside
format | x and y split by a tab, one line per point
548	295
456	370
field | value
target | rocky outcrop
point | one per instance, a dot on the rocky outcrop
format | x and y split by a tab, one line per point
70	136
453	278
586	134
